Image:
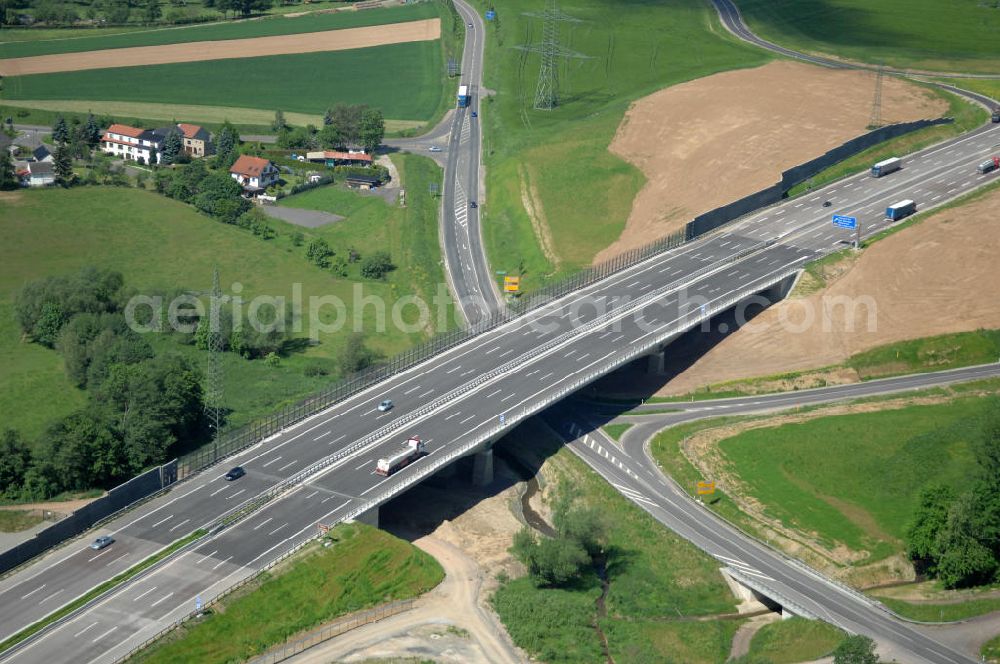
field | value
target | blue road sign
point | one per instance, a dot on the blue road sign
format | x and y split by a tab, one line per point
841	221
490	15
502	419
197	603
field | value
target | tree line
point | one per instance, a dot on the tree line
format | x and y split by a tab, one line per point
955	535
344	126
141	405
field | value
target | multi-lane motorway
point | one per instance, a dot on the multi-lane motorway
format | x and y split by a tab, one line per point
512	371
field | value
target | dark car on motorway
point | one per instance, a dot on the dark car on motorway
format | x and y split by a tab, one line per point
235	474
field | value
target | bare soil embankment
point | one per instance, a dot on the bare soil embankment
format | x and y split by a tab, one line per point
937	277
714	140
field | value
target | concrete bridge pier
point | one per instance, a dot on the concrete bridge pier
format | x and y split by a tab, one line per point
482	467
370	517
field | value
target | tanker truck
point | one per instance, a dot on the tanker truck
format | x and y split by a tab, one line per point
412	450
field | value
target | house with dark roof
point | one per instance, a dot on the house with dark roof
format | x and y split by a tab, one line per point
41	153
362	181
254	173
132	143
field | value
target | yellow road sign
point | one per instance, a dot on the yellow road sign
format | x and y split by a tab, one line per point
511	284
706	488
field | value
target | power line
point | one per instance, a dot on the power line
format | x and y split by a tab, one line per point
547	91
875	120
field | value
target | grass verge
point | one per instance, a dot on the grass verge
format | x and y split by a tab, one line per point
657	581
100	590
918	34
794	640
15	521
991	650
967	116
930	612
616	430
363	568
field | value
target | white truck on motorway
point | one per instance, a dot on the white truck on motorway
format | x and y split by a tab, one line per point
886	166
412	450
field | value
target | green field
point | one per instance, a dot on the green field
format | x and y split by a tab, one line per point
988	87
365	567
401	79
794	640
657	581
212	31
585	192
159	244
942	35
874	465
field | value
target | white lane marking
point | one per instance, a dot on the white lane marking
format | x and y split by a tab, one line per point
340	437
219	490
235	494
363	464
34	591
162	599
109	564
48	597
412	389
106	550
105	634
453	370
287	465
275	530
421	396
137	598
206	557
90	626
312	494
178	525
221	563
274	460
264	522
162	521
467	419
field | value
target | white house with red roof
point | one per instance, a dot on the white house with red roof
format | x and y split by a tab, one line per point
255	174
131	143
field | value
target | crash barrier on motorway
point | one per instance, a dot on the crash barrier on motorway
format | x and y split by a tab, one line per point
341	626
712	219
120	497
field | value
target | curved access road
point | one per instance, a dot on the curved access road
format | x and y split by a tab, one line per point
733	21
630	468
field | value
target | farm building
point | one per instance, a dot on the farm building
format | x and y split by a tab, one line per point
362	181
331	158
195	140
131	143
254	173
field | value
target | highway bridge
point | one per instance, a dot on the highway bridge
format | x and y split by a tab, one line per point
460	402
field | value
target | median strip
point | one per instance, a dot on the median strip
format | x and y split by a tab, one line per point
97	591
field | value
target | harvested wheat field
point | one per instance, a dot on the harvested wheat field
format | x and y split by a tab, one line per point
937	277
310	42
714	140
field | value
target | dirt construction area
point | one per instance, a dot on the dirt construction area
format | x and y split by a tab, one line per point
937	277
313	42
714	140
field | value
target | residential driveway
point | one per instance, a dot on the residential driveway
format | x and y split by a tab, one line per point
299	217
